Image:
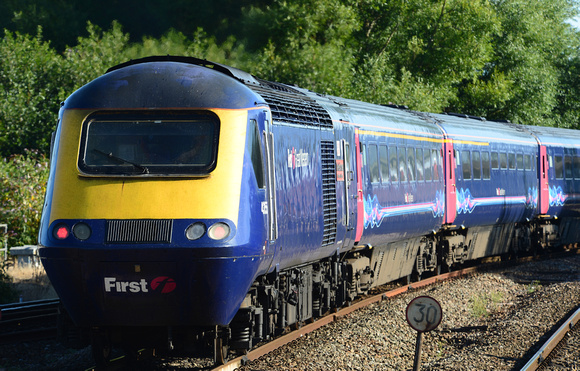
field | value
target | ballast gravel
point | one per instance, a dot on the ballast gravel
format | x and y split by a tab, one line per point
491	321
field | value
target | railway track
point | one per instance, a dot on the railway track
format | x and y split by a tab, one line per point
283	340
157	362
561	344
33	320
471	331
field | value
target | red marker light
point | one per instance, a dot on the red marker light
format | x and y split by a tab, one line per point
61	232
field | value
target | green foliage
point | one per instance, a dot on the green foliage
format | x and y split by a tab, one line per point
482	305
534	286
7	293
22	187
522	81
200	45
93	55
64	20
308	45
32	83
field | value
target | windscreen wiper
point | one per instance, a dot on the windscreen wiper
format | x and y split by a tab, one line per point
144	169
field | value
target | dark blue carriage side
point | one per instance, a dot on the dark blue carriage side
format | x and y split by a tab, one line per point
303	154
402	175
496	171
563	150
496	181
389	181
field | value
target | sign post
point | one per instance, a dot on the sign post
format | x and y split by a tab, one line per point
423	314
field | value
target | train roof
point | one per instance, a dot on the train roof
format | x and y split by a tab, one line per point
551	136
164	83
470	129
376	118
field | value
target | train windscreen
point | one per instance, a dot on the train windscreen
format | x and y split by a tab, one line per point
153	146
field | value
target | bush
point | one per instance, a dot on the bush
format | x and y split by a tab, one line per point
32	84
7	293
22	186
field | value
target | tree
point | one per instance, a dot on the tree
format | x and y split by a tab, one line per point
23	184
32	83
522	82
308	43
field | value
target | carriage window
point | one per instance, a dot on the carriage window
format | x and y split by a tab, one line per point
155	144
576	167
558	167
528	162
485	165
494	160
402	165
253	146
568	167
363	155
466	165
384	160
374	163
476	161
512	161
427	165
503	161
393	164
520	161
435	162
411	164
419	161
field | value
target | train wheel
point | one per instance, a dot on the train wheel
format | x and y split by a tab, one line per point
220	351
102	348
131	354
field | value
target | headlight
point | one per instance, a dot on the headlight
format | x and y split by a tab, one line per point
195	231
82	231
219	231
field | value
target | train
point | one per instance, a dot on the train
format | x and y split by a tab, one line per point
192	206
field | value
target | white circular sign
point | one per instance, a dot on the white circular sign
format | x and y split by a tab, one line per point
424	313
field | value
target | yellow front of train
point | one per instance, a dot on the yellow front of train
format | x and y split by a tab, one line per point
150	203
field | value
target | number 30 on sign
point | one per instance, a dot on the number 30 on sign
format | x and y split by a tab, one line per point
424	313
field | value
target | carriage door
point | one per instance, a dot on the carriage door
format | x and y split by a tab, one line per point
450	182
346	177
360	211
544	187
270	180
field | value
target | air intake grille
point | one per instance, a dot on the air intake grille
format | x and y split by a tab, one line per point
294	108
139	231
328	192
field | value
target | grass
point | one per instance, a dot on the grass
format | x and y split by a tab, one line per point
29	283
533	286
482	305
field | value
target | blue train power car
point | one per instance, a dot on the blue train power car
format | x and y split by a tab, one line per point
193	206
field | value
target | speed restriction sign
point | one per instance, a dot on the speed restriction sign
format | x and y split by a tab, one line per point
424	313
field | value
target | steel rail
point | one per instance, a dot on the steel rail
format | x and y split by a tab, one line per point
541	355
29	320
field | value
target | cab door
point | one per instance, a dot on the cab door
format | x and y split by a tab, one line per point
268	137
349	189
